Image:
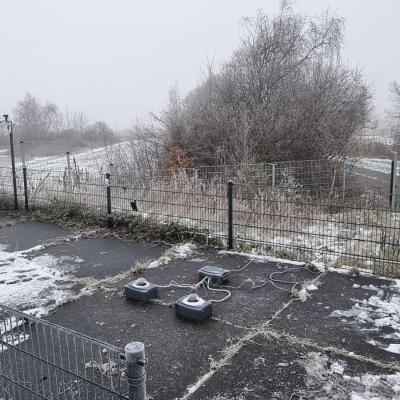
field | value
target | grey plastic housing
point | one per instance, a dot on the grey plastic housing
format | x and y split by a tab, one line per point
193	307
217	275
141	290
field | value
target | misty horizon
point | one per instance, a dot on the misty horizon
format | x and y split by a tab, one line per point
116	63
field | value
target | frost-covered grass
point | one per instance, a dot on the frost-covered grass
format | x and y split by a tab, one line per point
279	225
178	251
285	221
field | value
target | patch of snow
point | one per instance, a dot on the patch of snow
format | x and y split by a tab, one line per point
155	264
12	339
312	287
381	310
371	287
182	251
394	348
333	383
318	265
260	258
34	285
338	368
93	160
376	164
304	293
259	362
178	251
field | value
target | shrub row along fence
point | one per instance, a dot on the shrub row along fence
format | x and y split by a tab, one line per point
339	225
41	360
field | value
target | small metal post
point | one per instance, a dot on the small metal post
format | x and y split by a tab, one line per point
14	174
109	208
69	167
393	181
22	148
344	180
24	175
230	215
273	175
136	370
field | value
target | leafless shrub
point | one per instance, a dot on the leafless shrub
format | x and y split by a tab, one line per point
284	94
394	113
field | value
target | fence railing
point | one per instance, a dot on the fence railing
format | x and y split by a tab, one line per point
352	227
41	360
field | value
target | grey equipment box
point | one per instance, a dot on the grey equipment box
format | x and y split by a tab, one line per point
141	290
217	275
193	307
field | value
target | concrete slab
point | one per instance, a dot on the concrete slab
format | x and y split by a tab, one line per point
178	350
313	318
21	234
245	307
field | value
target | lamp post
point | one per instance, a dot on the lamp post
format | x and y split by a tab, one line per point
9	125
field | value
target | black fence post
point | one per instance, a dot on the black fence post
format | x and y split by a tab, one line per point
14	174
25	188
230	215
393	182
109	208
24	175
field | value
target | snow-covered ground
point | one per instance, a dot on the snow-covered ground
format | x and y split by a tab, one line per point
381	311
388	140
382	165
34	284
328	379
37	284
94	160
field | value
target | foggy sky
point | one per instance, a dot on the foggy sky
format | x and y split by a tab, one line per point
116	60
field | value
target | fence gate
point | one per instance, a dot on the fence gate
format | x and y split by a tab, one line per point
41	360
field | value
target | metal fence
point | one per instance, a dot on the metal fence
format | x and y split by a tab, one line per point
321	209
351	226
41	360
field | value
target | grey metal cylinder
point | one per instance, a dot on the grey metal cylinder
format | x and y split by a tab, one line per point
136	370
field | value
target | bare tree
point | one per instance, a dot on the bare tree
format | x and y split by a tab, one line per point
35	121
284	94
394	113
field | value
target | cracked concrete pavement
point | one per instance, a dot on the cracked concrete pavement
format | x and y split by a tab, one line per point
252	346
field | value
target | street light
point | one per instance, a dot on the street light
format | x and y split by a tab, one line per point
9	125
